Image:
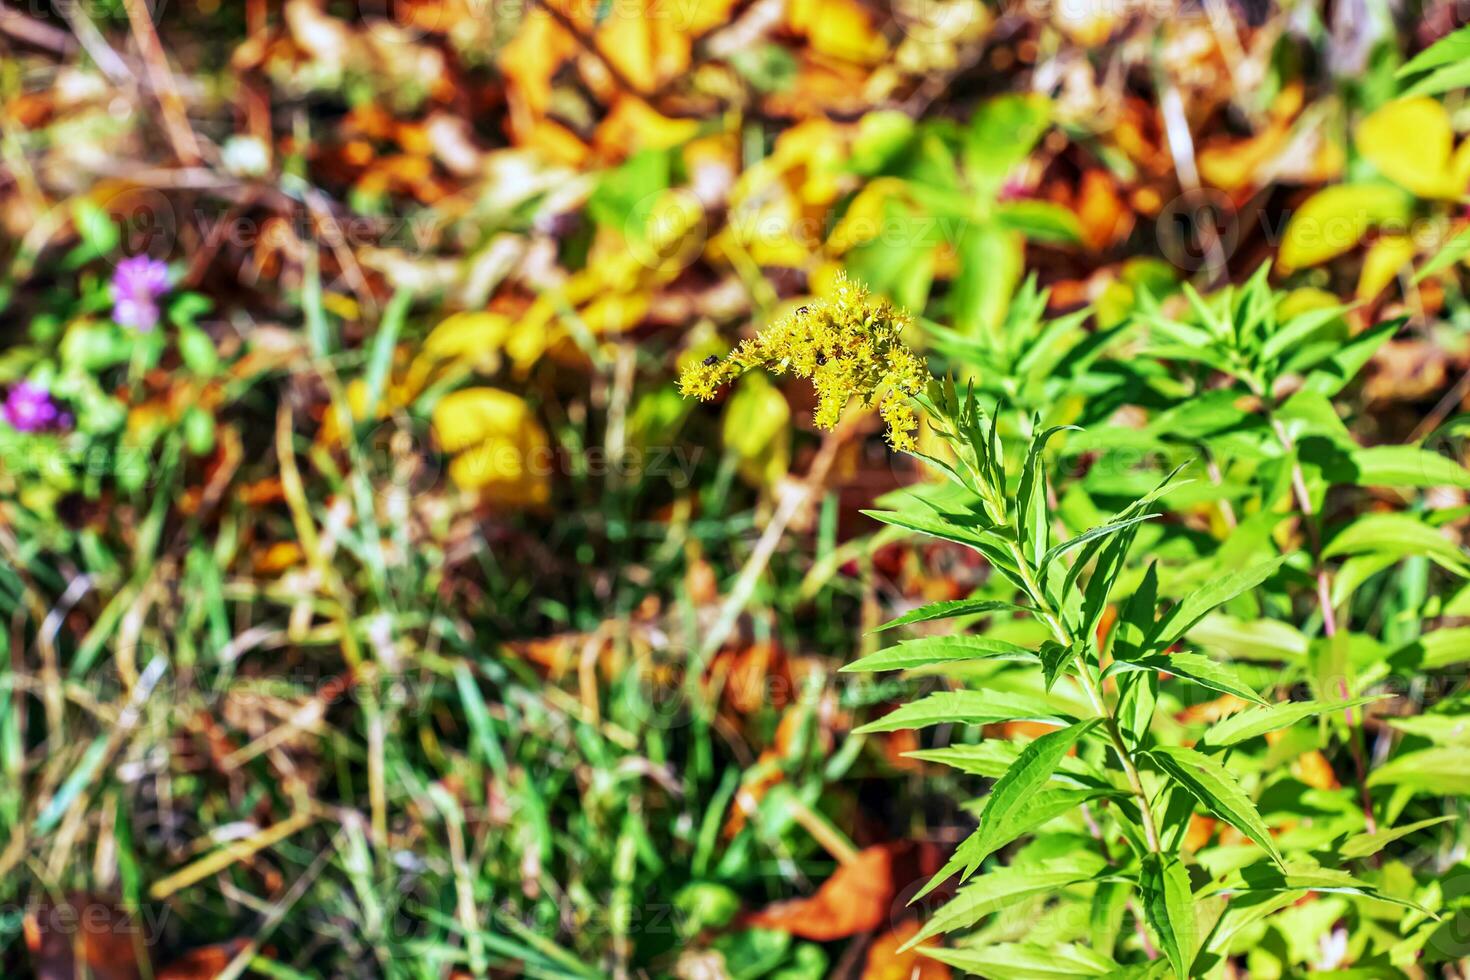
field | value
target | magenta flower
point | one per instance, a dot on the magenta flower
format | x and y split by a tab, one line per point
136	285
30	408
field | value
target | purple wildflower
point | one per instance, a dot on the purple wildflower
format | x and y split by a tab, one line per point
136	285
30	408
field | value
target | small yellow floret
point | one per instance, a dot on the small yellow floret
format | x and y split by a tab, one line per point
848	346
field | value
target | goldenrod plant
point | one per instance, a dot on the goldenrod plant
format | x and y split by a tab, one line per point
1102	811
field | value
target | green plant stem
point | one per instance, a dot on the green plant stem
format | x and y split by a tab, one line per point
1094	695
1309	518
1324	601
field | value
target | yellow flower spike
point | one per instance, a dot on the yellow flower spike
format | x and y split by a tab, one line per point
849	346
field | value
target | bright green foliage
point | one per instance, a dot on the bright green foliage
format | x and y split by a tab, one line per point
1069	631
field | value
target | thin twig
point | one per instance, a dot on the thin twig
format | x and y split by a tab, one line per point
165	87
38	34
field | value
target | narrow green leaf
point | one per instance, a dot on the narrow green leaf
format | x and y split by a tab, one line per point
1366	845
1450	253
1440	770
1269	878
1032	522
1193	607
1451	49
967	708
1397	534
1006	886
1040	221
1217	791
1042	807
1296	331
1091	547
1105	917
1250	639
935	526
951	609
1243	911
1439	729
1195	667
1054	661
380	360
1331	377
1255	722
1102	530
1168	905
1005	808
1405	466
1027	961
927	650
1436	650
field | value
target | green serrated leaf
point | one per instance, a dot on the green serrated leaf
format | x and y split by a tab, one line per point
1042	807
1027	961
1256	722
1006	886
951	609
1168	905
1216	790
1193	607
927	650
967	708
1005	810
1195	667
1093	534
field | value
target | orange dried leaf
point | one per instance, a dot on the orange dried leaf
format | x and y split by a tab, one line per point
202	964
885	962
857	898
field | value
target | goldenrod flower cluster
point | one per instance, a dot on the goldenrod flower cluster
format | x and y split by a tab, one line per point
850	348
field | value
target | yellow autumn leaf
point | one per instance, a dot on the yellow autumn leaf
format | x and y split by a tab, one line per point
838	28
670	232
1335	219
531	58
865	217
499	449
778	205
615	313
634	125
1304	300
644	47
1460	167
757	430
475	337
1411	142
1234	164
769	233
1385	259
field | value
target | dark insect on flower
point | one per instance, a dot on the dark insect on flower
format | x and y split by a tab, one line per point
802	311
711	361
821	358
